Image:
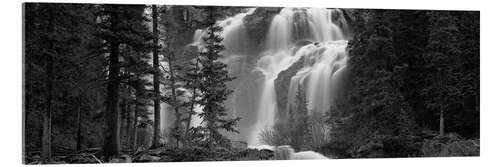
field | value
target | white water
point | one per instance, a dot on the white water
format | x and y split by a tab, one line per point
322	66
324	59
233	32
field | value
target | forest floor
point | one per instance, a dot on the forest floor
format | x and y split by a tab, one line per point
163	154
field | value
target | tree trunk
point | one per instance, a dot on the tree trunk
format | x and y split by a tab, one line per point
156	82
441	112
112	134
79	126
136	115
123	122
174	97
441	123
193	98
47	125
129	122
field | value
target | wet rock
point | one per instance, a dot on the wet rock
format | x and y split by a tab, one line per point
282	83
149	158
257	26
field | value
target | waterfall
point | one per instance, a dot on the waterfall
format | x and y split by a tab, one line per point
324	59
322	65
234	33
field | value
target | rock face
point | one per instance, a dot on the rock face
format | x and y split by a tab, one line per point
257	26
244	99
282	83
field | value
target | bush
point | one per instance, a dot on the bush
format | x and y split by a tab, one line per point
277	135
449	146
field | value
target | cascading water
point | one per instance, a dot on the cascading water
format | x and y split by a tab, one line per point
323	63
323	56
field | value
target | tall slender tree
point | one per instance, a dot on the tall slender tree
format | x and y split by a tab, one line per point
213	88
192	83
156	80
119	25
442	91
112	144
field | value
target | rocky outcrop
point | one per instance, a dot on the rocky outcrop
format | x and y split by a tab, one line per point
282	83
257	25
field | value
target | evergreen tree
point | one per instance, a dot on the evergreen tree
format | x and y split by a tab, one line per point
57	39
213	88
156	79
119	24
374	108
441	91
466	120
192	79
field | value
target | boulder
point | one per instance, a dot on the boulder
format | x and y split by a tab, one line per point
282	83
148	158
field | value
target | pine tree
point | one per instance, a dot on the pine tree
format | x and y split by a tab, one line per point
467	121
119	24
192	79
374	107
213	88
441	90
156	80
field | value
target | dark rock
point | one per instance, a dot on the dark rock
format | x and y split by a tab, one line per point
282	83
148	158
257	26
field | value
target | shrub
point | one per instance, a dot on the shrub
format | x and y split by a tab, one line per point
449	146
277	135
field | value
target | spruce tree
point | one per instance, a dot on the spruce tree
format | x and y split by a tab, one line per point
441	91
374	108
213	88
119	25
156	80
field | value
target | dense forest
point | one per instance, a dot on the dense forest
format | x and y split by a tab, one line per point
413	85
96	76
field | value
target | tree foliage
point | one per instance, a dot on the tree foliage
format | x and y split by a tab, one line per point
213	88
404	67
